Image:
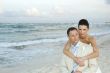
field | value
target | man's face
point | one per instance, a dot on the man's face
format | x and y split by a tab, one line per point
73	36
83	31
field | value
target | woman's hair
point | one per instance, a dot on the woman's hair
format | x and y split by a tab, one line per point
71	29
83	22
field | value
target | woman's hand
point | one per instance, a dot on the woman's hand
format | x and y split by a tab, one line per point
79	61
84	58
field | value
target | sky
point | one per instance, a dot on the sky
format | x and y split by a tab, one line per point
37	11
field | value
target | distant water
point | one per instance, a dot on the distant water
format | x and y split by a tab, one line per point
14	37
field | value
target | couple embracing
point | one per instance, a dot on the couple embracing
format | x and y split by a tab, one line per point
80	52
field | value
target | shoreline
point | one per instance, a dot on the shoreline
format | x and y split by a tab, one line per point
50	62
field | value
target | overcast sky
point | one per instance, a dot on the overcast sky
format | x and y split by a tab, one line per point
54	10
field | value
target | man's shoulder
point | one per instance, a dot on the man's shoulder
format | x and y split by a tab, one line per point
84	46
81	44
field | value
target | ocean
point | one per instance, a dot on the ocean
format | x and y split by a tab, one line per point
18	40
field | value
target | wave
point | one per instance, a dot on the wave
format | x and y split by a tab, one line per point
8	44
100	33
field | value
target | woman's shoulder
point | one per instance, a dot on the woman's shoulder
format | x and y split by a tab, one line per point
91	38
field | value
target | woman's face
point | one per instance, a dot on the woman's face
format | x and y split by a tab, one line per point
83	30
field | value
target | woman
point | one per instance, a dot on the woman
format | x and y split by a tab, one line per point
83	28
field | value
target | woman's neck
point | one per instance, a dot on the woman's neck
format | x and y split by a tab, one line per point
83	37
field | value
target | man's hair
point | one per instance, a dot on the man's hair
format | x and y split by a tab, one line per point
83	22
71	29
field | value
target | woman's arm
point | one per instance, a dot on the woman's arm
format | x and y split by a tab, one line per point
67	52
95	50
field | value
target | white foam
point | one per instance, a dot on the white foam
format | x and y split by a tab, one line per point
101	33
5	44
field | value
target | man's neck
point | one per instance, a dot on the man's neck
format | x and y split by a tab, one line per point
74	43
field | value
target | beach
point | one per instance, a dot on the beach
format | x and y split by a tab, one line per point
45	56
51	63
33	33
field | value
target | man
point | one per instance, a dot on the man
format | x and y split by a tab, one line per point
77	49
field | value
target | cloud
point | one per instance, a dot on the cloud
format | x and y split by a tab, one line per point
59	10
33	12
108	1
1	10
12	14
55	9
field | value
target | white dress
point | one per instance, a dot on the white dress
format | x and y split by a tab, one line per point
98	70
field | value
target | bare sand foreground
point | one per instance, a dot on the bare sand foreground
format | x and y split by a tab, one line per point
51	63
